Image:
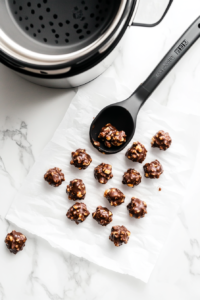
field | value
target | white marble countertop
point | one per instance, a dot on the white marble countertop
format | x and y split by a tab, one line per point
30	114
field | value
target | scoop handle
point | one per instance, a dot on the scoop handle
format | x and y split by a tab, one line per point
190	36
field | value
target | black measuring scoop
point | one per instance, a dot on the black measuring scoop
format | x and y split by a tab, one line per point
123	115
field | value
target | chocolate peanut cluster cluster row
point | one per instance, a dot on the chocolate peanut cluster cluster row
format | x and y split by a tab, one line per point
76	189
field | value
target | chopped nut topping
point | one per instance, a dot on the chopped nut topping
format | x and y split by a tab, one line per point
119	235
132	178
161	140
114	196
15	241
153	170
103	173
137	208
54	177
137	153
78	213
111	134
80	159
76	190
102	215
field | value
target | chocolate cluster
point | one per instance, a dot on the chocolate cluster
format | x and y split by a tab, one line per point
137	153
103	173
102	215
161	140
119	235
78	213
114	196
96	143
80	159
111	136
132	178
76	190
15	241
137	208
54	177
153	170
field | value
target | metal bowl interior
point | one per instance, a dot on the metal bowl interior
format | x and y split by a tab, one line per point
56	27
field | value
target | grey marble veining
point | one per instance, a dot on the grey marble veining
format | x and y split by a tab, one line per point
5	173
194	258
2	295
19	136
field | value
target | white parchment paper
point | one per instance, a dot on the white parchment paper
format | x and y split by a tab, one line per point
41	209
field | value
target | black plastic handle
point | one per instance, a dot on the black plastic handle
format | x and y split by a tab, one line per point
158	22
143	92
173	56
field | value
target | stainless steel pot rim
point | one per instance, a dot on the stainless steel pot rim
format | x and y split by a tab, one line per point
20	53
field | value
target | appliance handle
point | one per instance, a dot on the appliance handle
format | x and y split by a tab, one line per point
191	35
156	23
